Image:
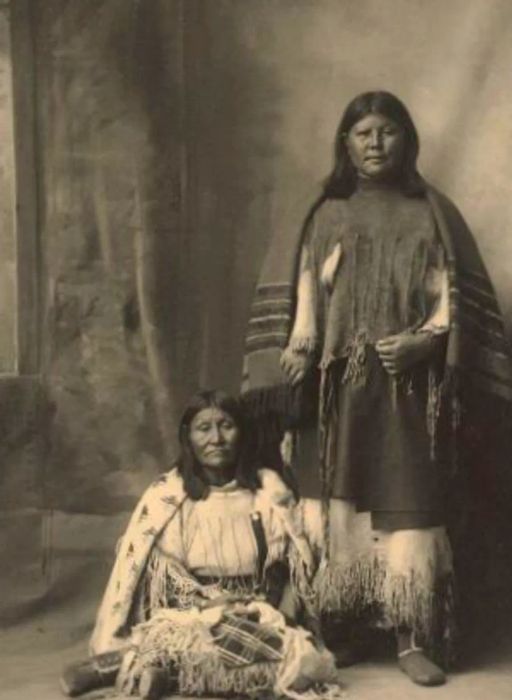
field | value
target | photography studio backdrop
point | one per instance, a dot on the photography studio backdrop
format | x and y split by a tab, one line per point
170	138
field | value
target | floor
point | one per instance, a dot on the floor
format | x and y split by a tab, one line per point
40	634
31	656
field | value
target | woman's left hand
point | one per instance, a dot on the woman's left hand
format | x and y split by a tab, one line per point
399	352
295	364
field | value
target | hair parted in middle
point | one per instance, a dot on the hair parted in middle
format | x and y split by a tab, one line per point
246	469
342	180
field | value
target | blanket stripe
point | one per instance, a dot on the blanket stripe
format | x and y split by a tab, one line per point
477	353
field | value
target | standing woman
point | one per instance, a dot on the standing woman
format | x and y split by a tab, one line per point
382	306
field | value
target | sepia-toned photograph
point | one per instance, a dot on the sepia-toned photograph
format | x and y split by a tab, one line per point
256	349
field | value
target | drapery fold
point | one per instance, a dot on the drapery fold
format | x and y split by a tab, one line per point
174	138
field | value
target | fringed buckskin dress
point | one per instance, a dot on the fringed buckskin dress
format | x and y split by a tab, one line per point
372	266
165	604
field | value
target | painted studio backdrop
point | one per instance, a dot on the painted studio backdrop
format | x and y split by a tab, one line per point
169	139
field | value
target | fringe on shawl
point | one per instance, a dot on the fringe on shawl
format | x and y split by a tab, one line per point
433	409
355	352
277	550
327	420
164	582
442	391
445	392
451	388
302	583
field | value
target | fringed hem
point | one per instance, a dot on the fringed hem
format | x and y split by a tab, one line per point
402	600
161	643
205	674
344	589
208	676
195	666
190	651
408	602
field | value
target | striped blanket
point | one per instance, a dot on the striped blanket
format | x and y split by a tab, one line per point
477	357
478	351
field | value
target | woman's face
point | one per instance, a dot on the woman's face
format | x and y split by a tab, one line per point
375	145
214	438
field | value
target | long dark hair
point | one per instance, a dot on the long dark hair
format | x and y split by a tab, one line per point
188	466
342	181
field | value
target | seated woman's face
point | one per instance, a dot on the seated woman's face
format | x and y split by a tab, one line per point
214	438
375	145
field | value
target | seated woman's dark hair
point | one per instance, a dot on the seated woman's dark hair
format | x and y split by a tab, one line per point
245	473
342	181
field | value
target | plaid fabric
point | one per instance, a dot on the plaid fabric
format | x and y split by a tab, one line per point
242	641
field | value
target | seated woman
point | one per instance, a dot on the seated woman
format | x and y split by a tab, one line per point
190	606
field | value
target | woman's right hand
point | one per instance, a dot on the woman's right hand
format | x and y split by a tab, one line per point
295	364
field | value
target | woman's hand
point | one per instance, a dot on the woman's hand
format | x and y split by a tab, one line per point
295	364
399	352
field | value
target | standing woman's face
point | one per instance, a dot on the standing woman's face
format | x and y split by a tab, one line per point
375	145
214	437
